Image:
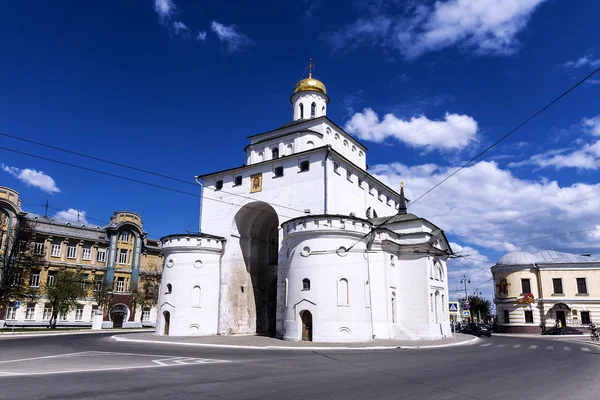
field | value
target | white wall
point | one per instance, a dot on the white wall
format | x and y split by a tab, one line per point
313	245
190	261
307	99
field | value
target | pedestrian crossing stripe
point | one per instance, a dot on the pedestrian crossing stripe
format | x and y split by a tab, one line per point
516	346
533	346
567	348
549	347
585	349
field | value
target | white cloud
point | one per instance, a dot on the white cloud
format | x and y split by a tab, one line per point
164	9
593	81
233	40
483	206
475	267
34	178
586	157
181	30
454	132
201	36
584	61
484	26
71	215
592	125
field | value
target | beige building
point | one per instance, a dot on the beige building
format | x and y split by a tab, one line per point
119	250
535	289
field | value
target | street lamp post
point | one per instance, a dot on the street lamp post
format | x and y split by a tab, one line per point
464	281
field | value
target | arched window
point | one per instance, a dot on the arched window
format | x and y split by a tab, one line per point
369	211
275	152
437	307
169	289
323	110
374	214
301	111
305	284
343	299
260	156
310	144
313	110
196	293
289	149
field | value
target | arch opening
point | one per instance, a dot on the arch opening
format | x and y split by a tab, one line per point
257	224
307	325
167	322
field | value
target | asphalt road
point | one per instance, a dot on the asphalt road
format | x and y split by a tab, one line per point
96	367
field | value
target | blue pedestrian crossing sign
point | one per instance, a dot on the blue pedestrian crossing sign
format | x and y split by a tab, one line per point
466	313
453	307
17	304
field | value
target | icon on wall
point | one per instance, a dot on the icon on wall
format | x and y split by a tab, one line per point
256	183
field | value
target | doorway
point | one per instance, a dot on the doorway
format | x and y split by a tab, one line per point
560	315
307	327
257	224
117	315
167	316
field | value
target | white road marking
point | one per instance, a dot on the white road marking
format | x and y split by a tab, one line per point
53	356
585	349
567	348
163	361
516	346
549	347
485	345
501	345
533	346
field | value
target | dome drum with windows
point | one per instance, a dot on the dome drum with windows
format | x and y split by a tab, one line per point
310	98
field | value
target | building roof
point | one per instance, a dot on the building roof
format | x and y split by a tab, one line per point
555	257
544	257
396	218
517	258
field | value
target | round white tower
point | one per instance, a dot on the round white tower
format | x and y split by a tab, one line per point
325	294
188	301
309	99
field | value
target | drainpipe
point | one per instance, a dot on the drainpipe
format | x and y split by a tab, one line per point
541	300
325	178
223	244
201	197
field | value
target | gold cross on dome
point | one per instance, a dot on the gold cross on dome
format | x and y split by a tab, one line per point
401	185
310	67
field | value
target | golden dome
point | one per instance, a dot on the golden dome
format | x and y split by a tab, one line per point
308	84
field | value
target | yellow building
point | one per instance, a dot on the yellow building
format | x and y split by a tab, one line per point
541	288
119	250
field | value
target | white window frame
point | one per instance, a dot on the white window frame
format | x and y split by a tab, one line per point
87	254
47	312
120	285
11	312
30	312
38	248
34	279
101	255
72	252
56	248
123	256
51	279
79	313
146	315
125	237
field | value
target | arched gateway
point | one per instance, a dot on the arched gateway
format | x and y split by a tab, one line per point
257	225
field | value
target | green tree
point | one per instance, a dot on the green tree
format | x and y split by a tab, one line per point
103	291
146	294
19	260
480	306
67	288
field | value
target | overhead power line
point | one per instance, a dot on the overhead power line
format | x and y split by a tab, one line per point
132	180
506	135
482	153
145	171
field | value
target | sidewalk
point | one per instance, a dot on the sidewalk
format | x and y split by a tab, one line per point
64	332
265	342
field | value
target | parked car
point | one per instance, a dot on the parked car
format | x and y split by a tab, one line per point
477	329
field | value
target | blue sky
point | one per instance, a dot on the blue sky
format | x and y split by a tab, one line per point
176	86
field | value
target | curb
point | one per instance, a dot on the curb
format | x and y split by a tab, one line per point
9	335
231	346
